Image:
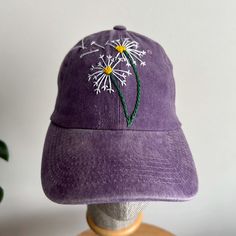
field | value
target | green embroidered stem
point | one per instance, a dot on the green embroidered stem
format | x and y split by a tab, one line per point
138	95
122	98
130	118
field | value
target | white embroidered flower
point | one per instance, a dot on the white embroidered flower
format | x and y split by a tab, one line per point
131	47
102	73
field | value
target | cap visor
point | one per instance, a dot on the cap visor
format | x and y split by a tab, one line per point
84	166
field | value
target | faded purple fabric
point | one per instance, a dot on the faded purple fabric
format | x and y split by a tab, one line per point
77	105
91	156
96	166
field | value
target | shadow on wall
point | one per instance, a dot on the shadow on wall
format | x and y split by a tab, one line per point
60	223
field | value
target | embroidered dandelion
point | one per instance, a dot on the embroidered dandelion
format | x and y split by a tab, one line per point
122	45
101	73
105	73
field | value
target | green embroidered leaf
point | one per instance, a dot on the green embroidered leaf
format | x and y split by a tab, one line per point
4	154
1	194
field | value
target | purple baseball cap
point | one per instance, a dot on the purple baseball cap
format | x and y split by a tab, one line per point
114	135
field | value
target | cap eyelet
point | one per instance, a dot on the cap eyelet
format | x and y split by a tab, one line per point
119	27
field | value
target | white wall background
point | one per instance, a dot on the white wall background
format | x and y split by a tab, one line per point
199	37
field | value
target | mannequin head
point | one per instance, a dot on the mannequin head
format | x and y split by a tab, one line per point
122	211
115	215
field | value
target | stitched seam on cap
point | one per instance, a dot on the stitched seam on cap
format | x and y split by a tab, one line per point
139	130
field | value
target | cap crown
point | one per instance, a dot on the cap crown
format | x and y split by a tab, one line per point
109	77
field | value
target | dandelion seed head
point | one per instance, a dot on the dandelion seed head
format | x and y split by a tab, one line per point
131	47
105	71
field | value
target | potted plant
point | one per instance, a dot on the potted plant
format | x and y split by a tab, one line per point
4	154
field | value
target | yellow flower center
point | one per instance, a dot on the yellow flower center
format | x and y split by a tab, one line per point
120	48
107	70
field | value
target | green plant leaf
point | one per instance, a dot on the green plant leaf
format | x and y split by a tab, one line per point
1	194
4	154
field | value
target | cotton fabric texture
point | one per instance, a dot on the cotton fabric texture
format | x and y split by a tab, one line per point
91	155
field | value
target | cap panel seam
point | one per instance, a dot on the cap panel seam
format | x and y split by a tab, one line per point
128	129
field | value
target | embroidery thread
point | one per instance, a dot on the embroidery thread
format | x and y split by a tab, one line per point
105	73
102	74
131	47
129	118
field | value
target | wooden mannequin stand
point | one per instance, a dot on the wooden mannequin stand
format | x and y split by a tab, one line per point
136	229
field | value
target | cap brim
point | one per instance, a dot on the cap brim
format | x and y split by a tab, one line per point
83	166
